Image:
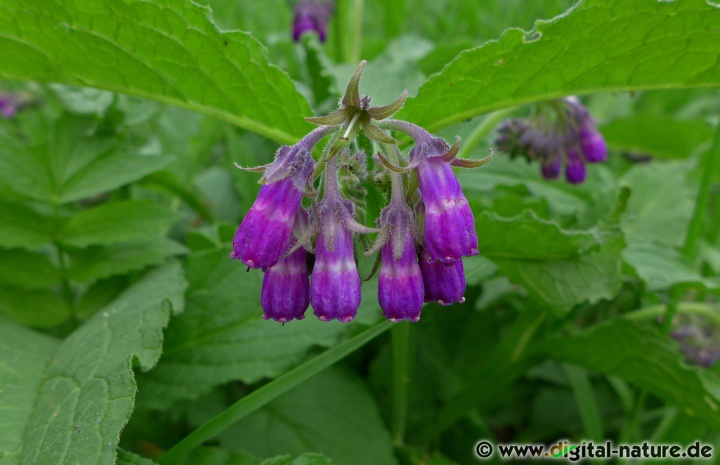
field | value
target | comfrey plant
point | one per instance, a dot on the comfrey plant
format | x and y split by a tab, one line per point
422	234
561	133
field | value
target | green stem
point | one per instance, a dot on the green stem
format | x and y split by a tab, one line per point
482	130
707	168
676	293
710	311
350	15
402	365
270	392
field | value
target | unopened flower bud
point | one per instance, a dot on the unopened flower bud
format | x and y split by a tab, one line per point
593	145
575	168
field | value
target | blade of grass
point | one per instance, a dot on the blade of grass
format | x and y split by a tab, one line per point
585	397
270	392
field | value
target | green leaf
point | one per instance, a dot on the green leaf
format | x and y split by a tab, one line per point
22	226
25	355
72	162
98	262
658	135
117	222
222	337
662	267
660	205
305	419
128	458
84	100
646	358
27	269
37	308
598	46
560	267
166	50
70	399
587	203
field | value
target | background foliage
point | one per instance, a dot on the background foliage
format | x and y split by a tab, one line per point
124	326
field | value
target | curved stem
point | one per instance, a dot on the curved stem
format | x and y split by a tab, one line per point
707	168
483	129
710	311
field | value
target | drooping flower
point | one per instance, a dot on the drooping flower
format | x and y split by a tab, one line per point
444	284
449	225
9	105
335	280
277	236
563	133
698	339
285	293
400	286
574	168
264	234
312	16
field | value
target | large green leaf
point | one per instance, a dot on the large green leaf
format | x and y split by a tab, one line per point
37	308
646	358
599	46
25	354
660	205
560	267
72	161
70	399
117	222
27	269
222	337
658	135
662	267
166	50
332	413
21	226
99	262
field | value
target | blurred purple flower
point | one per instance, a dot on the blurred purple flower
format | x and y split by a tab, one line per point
312	15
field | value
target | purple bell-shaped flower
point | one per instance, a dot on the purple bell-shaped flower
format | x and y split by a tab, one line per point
449	223
574	168
335	280
312	15
444	284
285	291
400	286
593	144
264	234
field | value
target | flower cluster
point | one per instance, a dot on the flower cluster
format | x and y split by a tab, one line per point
422	234
698	340
10	104
561	133
312	16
